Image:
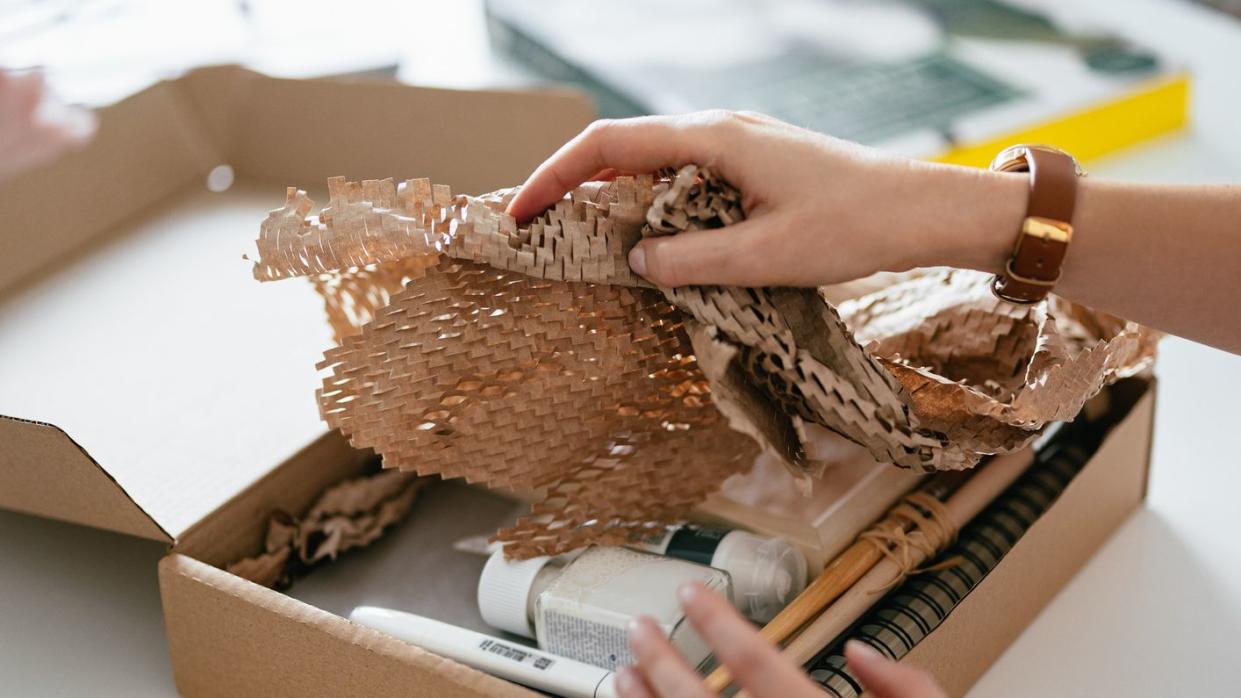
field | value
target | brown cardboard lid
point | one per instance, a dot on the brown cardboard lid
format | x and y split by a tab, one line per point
145	377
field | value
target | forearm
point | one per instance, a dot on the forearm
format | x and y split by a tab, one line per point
1166	256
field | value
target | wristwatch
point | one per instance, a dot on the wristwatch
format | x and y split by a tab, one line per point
1034	267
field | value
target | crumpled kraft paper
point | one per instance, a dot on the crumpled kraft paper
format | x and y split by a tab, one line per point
532	357
349	515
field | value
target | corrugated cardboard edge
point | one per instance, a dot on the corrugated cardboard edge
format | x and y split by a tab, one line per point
999	609
280	137
43	471
230	637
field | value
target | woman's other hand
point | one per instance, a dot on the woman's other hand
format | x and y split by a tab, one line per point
35	127
661	672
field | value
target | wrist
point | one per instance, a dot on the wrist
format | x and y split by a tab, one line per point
974	216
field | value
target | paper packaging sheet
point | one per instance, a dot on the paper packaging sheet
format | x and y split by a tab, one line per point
415	566
533	357
351	514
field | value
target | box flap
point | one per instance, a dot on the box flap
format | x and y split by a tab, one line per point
128	318
50	475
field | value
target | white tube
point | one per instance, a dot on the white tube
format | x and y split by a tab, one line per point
507	660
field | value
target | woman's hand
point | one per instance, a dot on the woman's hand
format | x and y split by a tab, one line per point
819	210
759	669
34	126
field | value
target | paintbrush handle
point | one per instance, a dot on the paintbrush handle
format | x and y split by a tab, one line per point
836	578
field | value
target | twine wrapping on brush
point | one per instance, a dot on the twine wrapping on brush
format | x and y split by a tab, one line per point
893	536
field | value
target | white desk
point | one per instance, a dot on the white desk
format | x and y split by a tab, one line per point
80	611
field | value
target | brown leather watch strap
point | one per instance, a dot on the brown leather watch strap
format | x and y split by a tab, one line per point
1047	229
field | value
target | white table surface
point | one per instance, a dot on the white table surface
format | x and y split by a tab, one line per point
1155	612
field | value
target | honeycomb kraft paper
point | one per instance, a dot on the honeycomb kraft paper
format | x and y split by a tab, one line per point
533	358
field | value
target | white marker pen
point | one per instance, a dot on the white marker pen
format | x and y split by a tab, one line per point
507	660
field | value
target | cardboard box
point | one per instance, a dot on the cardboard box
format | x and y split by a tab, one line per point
152	387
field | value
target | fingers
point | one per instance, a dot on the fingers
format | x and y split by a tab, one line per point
609	174
630	684
754	663
737	256
731	256
643	144
34	125
664	670
884	678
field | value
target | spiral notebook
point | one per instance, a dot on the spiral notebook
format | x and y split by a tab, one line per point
910	613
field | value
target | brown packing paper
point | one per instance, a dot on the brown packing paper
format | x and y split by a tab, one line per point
533	357
348	515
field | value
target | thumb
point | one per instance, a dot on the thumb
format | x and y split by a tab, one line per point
729	256
884	678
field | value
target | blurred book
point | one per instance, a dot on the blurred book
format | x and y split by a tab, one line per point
953	80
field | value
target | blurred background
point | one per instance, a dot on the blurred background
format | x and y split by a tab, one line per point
922	77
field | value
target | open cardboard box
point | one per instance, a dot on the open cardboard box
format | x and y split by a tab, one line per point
151	387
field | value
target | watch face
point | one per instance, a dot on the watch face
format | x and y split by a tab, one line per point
1013	158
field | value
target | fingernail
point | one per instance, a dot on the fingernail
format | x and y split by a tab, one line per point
689	592
627	680
862	653
637	260
639	630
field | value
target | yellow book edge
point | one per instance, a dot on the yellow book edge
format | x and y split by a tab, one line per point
1154	108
